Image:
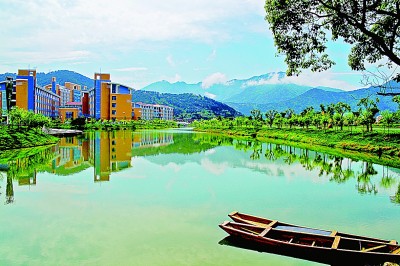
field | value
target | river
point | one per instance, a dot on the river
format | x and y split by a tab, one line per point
157	197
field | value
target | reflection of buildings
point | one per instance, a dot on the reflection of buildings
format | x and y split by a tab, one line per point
107	152
146	139
69	154
27	180
110	152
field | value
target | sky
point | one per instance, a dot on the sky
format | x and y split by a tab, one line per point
140	42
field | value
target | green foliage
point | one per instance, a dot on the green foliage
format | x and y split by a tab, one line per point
187	105
300	29
15	139
27	120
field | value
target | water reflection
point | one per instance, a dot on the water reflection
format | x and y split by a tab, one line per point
108	152
251	245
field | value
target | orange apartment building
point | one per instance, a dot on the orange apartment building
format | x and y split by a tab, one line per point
108	100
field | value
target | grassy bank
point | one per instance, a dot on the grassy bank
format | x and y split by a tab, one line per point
371	142
26	138
375	144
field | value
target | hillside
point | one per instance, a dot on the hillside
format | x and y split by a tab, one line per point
316	97
263	89
186	105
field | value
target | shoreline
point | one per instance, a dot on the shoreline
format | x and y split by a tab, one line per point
358	146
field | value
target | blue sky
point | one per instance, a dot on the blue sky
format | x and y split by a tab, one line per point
141	42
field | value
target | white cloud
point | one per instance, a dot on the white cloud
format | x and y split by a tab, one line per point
214	168
173	79
52	27
212	56
311	79
131	69
170	60
216	78
210	152
324	79
210	95
273	79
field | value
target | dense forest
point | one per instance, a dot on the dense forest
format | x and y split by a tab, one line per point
187	105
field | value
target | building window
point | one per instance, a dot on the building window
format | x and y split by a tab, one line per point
114	98
113	105
114	112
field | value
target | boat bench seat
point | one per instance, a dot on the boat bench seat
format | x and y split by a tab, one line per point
373	248
272	223
266	230
396	251
336	242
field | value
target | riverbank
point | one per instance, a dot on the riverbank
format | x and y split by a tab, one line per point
374	143
28	138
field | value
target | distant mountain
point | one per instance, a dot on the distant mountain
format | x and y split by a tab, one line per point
62	76
267	88
316	97
186	105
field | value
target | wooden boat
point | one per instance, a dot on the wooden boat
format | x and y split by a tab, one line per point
264	222
332	248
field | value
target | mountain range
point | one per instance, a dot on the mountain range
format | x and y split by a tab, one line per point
264	92
61	76
270	91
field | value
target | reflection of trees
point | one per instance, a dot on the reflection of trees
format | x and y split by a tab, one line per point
364	184
341	175
304	160
257	150
332	166
387	180
291	156
243	145
396	197
9	191
25	165
269	152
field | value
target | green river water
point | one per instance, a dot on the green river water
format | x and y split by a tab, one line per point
157	197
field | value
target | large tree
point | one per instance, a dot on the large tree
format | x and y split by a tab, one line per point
301	29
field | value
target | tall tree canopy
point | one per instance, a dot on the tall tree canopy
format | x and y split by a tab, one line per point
301	29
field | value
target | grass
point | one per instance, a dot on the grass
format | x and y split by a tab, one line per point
13	138
375	146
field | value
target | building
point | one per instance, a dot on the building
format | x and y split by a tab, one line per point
108	100
5	93
27	95
152	111
105	101
71	110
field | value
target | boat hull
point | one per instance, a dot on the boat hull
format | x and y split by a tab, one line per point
329	249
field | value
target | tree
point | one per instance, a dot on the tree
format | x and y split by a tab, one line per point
367	115
301	28
388	118
270	116
349	119
256	114
340	109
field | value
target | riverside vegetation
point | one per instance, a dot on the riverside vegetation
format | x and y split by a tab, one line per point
333	126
